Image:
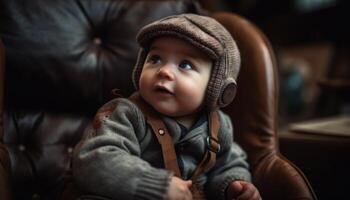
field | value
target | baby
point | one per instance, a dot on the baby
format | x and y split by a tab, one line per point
186	71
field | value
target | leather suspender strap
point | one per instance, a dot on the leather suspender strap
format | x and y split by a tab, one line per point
165	140
213	146
161	132
168	150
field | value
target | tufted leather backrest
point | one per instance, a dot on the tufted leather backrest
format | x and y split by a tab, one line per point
63	59
66	44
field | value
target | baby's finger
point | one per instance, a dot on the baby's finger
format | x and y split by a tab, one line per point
256	195
189	183
247	193
189	196
234	190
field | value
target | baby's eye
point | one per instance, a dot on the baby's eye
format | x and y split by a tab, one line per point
154	59
185	64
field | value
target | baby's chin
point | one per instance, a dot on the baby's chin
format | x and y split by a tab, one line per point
167	110
176	114
171	108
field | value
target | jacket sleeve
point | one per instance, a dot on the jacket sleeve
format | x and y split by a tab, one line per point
107	161
230	163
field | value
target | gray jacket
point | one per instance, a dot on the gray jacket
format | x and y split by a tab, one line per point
120	157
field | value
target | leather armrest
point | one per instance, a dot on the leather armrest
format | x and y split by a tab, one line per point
277	172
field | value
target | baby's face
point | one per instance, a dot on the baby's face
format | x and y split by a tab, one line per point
174	77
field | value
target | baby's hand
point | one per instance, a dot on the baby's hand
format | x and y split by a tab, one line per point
179	189
241	190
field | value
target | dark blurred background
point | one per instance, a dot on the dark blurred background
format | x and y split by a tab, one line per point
311	40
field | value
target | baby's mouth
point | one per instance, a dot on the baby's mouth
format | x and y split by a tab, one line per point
163	90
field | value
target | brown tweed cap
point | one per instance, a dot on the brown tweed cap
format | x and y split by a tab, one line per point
209	36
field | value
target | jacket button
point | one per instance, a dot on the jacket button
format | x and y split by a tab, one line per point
161	131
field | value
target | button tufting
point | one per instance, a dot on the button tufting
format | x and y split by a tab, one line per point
35	197
69	150
21	147
97	41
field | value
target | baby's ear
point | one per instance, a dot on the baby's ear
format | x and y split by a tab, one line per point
228	92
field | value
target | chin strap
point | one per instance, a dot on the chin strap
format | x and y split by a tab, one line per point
166	143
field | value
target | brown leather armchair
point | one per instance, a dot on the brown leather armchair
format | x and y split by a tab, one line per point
64	57
254	114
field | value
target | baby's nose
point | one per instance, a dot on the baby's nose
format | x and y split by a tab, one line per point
167	71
